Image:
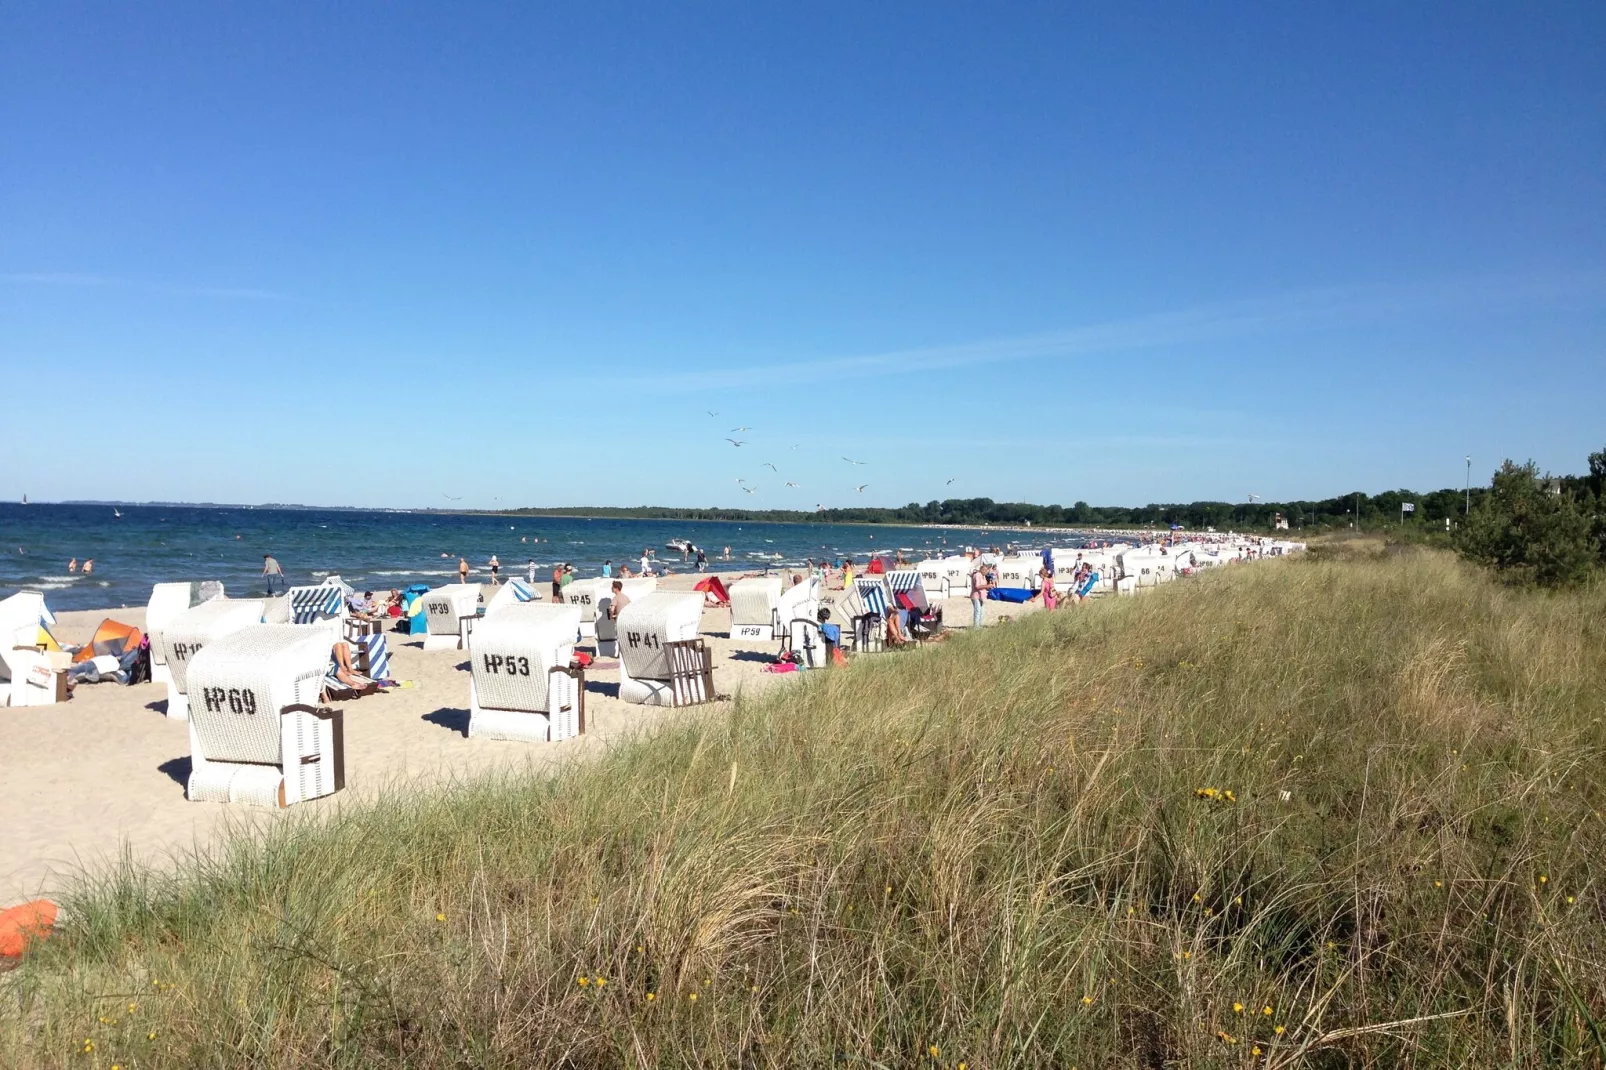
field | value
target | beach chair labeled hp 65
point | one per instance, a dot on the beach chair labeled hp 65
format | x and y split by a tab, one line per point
663	661
450	613
753	607
191	631
520	684
257	733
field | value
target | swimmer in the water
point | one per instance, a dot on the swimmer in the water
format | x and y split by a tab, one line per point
72	566
89	565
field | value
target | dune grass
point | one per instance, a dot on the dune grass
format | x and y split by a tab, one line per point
1322	813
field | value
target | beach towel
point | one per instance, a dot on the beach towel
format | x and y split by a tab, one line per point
1012	594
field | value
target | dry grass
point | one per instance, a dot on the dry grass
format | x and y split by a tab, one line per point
1319	813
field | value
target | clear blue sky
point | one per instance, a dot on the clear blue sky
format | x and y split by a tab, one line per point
375	254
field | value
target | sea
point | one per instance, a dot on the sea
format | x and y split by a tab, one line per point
382	549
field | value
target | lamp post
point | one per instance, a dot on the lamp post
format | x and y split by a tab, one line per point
1468	510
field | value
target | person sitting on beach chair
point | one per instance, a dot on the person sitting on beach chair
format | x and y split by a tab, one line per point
342	677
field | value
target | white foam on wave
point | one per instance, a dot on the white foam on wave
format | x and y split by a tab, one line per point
63	580
49	586
414	572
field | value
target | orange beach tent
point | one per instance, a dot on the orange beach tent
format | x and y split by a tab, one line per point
714	593
110	638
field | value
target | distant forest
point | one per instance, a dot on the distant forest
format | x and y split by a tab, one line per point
1374	509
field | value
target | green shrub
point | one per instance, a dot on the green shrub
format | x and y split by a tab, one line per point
1532	530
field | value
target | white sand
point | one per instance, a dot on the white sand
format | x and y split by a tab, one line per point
84	780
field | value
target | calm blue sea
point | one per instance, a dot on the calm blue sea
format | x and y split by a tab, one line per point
380	550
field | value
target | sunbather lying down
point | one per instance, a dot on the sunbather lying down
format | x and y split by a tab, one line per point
342	674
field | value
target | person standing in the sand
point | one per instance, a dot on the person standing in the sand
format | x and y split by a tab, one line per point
270	570
496	567
980	582
462	570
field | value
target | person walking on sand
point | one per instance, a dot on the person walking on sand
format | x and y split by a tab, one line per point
1046	574
462	570
496	568
270	570
979	583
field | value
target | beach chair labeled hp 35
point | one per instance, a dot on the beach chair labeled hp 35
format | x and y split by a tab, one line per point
257	733
191	631
663	661
520	684
450	613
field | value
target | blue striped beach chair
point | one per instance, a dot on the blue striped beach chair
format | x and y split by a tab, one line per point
309	605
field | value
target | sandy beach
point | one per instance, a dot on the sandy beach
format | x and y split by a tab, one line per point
105	772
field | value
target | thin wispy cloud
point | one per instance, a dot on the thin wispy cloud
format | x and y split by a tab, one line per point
72	278
1301	311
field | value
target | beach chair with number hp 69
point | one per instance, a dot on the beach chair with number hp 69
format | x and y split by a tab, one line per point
663	661
191	631
450	613
257	733
753	607
520	684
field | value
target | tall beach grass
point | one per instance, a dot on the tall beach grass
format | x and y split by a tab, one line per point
1341	812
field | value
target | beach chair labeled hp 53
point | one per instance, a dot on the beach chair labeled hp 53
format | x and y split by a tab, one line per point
450	613
663	661
520	684
257	733
191	631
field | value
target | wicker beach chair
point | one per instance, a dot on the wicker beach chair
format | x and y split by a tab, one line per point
514	592
257	733
34	675
188	633
753	607
521	686
167	601
663	661
800	601
586	595
449	615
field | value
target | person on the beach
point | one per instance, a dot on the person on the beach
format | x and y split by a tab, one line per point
72	566
89	565
727	553
270	569
702	560
496	568
646	563
620	600
979	583
847	573
1046	574
462	570
607	569
557	584
529	572
566	579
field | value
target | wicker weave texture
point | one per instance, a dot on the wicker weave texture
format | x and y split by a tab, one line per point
754	601
188	632
445	605
240	682
649	623
512	652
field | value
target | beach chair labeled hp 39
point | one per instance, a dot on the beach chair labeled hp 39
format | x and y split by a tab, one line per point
520	684
257	733
450	613
191	631
663	661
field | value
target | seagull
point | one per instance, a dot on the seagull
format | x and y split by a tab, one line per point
449	498
950	482
733	442
751	490
796	447
861	487
711	412
739	479
790	483
739	430
771	467
850	460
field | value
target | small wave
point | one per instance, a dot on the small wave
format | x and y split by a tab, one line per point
104	583
50	586
63	580
413	572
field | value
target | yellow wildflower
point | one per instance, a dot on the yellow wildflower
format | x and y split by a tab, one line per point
935	1051
440	917
1255	1050
1237	1008
1087	1001
1266	1010
1569	899
1229	796
1543	879
692	997
601	982
651	996
584	981
131	1007
1280	1030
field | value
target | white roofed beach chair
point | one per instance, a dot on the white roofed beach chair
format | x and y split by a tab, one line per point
869	624
663	661
449	615
188	633
514	592
753	607
800	601
521	686
30	673
167	601
587	595
257	733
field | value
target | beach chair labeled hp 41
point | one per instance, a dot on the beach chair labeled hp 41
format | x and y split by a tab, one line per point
663	661
257	733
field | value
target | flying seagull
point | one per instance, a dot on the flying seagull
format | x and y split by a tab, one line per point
861	487
850	460
795	447
733	442
950	482
739	479
790	483
751	490
771	467
711	412
448	497
739	430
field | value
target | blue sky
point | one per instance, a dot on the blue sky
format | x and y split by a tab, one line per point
379	254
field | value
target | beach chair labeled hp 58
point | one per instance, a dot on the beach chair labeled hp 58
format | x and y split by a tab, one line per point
450	613
191	631
520	684
753	607
257	733
663	661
